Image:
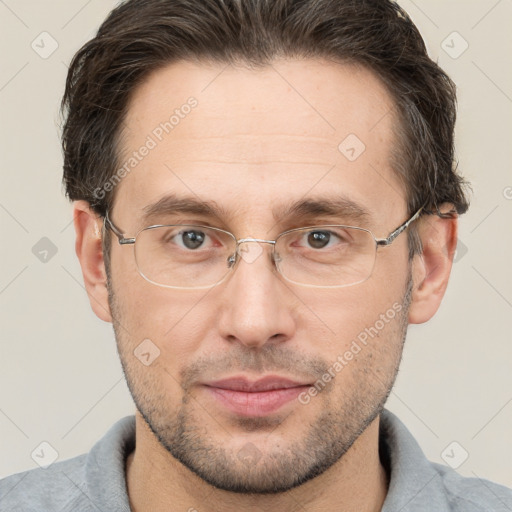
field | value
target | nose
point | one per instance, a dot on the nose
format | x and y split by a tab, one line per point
257	306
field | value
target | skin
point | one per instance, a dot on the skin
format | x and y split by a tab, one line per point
260	138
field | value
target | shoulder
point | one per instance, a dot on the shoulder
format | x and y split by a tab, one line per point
90	482
417	484
472	494
54	488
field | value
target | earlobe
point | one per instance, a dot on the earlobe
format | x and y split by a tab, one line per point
88	247
431	269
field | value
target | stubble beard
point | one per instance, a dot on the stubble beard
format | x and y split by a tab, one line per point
281	466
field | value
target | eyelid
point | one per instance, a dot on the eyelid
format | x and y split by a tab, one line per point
318	223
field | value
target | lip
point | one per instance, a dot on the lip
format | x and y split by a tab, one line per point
268	383
254	398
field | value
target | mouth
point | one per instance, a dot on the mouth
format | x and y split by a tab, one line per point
258	398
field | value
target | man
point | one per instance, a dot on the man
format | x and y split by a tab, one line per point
264	198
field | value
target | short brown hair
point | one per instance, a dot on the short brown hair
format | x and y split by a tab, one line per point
140	36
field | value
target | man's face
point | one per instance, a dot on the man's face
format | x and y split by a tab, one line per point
258	141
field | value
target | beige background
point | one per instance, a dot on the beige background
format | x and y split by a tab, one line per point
60	378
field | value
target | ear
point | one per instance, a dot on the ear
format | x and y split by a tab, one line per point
431	269
88	228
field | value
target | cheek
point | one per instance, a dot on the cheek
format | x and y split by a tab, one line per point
368	351
362	329
341	314
174	320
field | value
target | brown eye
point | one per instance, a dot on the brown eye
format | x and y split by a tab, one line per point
318	239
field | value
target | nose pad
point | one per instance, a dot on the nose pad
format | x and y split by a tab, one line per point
232	260
250	253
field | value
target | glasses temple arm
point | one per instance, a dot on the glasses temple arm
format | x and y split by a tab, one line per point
120	235
398	230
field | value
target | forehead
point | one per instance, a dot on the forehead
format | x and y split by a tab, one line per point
249	138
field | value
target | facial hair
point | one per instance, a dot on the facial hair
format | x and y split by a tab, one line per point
288	463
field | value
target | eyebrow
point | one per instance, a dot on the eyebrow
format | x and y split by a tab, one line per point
172	203
339	207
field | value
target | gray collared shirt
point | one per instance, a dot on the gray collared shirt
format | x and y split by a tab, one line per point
96	481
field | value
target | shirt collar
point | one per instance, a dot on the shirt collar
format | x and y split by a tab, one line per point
105	467
414	483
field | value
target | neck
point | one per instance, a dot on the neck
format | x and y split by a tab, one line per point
158	482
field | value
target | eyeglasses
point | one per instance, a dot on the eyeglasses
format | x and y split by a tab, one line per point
189	256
